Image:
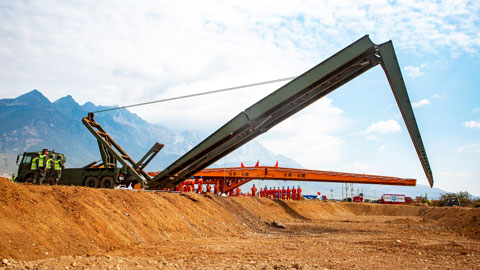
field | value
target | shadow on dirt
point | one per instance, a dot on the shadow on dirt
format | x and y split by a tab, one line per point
290	211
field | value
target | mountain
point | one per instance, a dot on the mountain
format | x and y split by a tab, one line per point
31	122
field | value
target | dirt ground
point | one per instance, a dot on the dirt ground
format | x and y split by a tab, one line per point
80	228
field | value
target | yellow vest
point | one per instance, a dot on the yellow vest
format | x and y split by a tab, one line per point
57	165
34	164
41	160
49	164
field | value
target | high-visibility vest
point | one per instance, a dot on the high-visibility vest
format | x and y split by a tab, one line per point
12	179
34	164
57	165
49	164
41	161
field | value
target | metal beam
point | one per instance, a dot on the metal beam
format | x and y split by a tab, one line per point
108	145
314	84
394	76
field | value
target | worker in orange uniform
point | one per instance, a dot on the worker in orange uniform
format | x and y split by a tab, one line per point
265	191
237	192
230	193
294	193
200	185
254	191
261	193
277	193
289	192
299	193
284	193
191	185
209	188
216	189
274	193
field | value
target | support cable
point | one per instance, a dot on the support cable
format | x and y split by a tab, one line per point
197	94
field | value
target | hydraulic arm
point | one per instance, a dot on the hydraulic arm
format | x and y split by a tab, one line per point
111	152
309	87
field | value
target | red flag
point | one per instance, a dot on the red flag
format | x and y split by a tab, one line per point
241	164
258	163
276	164
319	193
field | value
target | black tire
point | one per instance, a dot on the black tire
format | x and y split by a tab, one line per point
92	181
107	182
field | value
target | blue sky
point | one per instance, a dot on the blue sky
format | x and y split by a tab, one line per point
121	52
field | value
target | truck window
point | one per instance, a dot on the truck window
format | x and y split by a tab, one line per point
26	159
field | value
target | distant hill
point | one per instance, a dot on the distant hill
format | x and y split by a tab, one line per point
31	122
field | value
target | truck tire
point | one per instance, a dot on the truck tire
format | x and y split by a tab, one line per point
92	181
107	182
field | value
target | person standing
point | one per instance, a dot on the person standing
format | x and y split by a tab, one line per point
254	191
294	193
284	193
209	188
42	166
237	191
200	185
49	172
34	168
289	191
274	193
57	169
299	193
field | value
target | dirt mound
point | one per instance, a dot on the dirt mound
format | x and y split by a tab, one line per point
44	222
466	221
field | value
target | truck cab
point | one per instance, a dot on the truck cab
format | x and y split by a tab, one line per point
24	162
452	201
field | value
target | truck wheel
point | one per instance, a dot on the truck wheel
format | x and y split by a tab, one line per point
107	182
92	181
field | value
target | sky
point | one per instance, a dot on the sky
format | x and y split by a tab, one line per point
126	52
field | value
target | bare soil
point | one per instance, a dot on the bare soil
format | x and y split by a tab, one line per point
43	227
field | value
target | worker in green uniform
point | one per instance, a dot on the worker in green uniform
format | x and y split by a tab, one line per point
58	166
34	168
12	179
50	172
42	166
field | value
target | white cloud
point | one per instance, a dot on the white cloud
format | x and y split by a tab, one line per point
476	109
309	136
412	71
473	147
383	127
436	95
68	48
472	124
421	103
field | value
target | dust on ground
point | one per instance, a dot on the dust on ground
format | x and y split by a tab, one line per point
61	227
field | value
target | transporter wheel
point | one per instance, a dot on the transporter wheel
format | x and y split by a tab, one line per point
92	181
107	182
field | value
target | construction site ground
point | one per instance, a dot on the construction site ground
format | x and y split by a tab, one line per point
62	227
